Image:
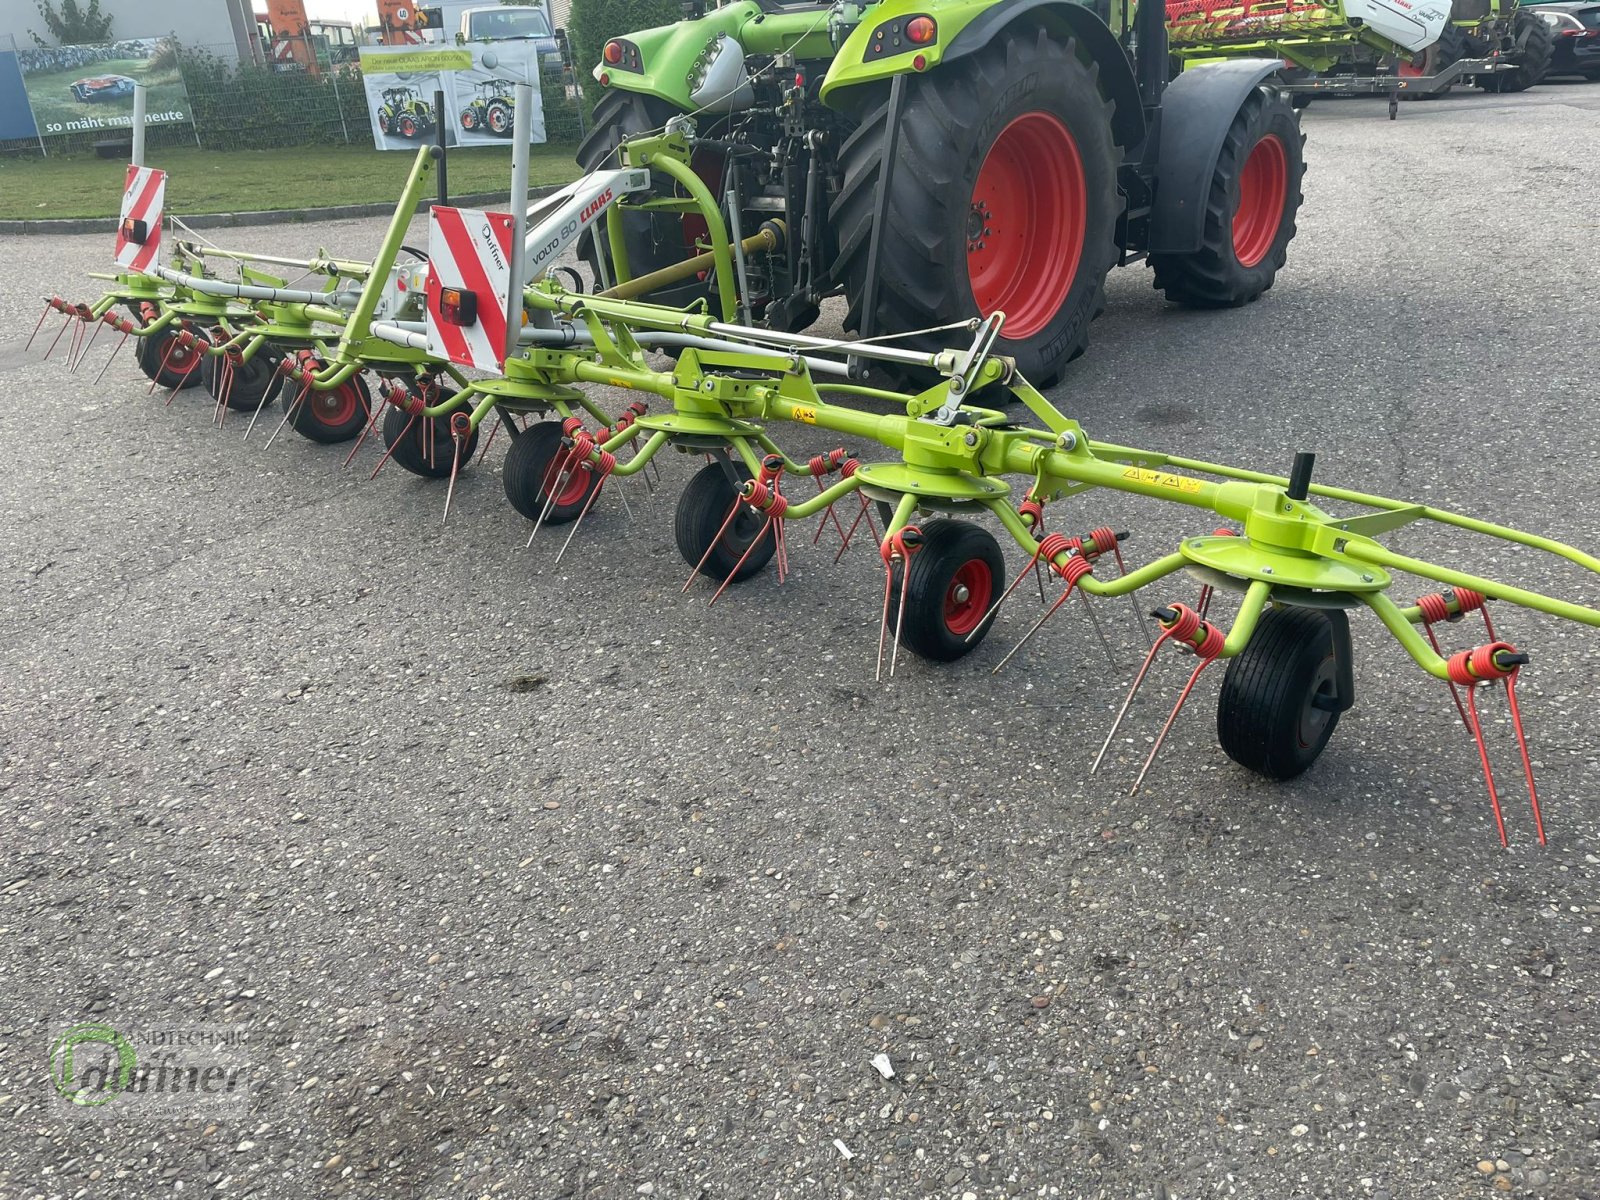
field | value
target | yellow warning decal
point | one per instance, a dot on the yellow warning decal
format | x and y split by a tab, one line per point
1179	483
808	415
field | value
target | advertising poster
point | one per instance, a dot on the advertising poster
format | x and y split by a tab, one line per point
479	86
74	89
16	121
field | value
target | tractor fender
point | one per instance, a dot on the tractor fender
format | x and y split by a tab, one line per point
1196	110
1076	20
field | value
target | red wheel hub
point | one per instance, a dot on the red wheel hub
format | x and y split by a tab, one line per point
335	407
966	600
1025	228
573	489
1263	193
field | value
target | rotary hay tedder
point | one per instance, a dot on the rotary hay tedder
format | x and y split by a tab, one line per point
953	450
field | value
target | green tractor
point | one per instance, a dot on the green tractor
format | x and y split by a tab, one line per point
492	107
404	113
1349	46
939	161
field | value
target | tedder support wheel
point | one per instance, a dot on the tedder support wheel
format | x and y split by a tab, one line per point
956	574
171	365
421	450
249	386
335	415
1282	695
702	508
1535	47
1250	210
1002	198
533	467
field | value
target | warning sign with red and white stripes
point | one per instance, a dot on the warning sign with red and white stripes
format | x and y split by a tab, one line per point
139	228
469	255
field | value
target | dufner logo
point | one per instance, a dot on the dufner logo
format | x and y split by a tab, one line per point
92	1064
148	1070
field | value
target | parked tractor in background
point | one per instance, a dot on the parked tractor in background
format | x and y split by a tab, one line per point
936	162
1369	45
404	113
492	107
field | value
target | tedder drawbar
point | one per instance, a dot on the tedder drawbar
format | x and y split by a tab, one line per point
979	449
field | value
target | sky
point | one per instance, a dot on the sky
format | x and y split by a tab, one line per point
359	11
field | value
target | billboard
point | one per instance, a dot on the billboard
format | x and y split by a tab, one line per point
16	122
479	86
76	89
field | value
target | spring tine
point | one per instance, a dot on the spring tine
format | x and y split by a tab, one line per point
563	475
1133	601
750	549
1522	747
261	405
70	319
1038	575
88	345
726	521
289	413
845	545
1202	603
900	619
622	494
228	376
1455	695
1483	757
110	360
450	492
1127	702
166	355
1095	621
1171	717
410	421
582	513
1004	596
498	421
377	411
37	327
1050	612
883	621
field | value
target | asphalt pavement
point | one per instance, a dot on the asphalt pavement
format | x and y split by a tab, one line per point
534	880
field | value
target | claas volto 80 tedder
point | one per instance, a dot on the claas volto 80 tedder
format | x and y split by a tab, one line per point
937	162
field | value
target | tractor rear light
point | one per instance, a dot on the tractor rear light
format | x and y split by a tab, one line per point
920	31
135	231
457	306
613	53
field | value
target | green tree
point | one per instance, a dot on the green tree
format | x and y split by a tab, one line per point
596	21
72	24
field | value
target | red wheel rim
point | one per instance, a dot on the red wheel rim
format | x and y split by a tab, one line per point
573	490
1263	192
1026	223
967	597
334	407
1414	68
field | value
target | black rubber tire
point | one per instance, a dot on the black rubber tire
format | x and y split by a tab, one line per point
1213	276
384	122
950	119
529	470
653	240
1266	720
949	548
181	369
702	507
255	383
431	458
1435	59
502	113
1537	44
469	119
331	416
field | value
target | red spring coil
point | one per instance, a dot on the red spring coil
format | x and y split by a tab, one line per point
1479	666
1185	624
821	464
1032	511
638	409
57	303
1223	531
571	426
1074	569
771	468
849	467
1436	608
1211	642
148	311
582	444
1104	539
1053	544
756	493
608	463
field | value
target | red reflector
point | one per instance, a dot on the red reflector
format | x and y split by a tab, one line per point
921	30
613	53
920	62
457	306
605	80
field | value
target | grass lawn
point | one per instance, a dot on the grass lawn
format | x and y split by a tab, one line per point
206	181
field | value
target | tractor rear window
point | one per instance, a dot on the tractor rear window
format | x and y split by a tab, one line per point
1589	16
508	23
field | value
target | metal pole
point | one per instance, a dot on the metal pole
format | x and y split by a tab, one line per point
438	134
138	124
521	129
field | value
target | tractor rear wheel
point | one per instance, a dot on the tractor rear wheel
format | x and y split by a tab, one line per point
1280	700
653	240
1535	47
1002	198
499	118
532	476
956	574
383	121
408	126
469	119
701	524
1250	210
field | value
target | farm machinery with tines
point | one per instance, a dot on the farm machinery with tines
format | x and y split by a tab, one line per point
934	162
926	479
491	108
404	113
1353	47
